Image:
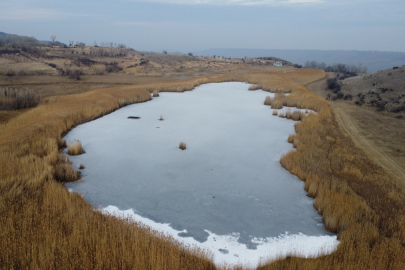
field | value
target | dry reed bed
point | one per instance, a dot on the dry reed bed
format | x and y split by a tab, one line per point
44	226
356	198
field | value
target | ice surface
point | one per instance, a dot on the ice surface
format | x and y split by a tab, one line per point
227	184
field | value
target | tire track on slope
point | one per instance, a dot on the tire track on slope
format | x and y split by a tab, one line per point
363	143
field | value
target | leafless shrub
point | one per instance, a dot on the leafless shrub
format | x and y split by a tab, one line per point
112	67
74	73
15	99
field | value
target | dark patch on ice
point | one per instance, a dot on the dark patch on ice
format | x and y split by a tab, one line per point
199	235
236	255
223	251
244	239
134	117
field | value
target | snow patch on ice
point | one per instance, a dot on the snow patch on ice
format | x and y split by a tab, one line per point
228	251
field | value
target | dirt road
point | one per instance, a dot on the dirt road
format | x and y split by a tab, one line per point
381	137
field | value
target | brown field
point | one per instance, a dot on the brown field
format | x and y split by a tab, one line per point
43	226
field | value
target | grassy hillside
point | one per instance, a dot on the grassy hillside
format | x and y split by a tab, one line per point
383	91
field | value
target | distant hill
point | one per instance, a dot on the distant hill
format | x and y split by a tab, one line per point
374	60
26	39
16	38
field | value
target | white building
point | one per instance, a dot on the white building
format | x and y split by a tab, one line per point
278	64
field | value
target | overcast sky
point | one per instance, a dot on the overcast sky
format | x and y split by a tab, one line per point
192	25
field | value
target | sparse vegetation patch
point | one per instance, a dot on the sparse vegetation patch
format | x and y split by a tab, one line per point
75	148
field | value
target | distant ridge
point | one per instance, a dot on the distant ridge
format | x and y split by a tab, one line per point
374	60
32	39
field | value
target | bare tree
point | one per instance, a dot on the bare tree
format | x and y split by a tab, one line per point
95	43
53	37
82	45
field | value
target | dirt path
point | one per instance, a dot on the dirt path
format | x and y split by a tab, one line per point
388	162
379	136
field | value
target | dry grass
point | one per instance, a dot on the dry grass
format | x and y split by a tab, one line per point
75	148
296	115
81	167
155	93
282	114
291	138
275	112
255	87
288	114
161	118
182	146
355	197
63	170
276	104
295	142
46	227
43	226
272	89
268	100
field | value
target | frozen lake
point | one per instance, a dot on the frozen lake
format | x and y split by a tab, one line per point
226	192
